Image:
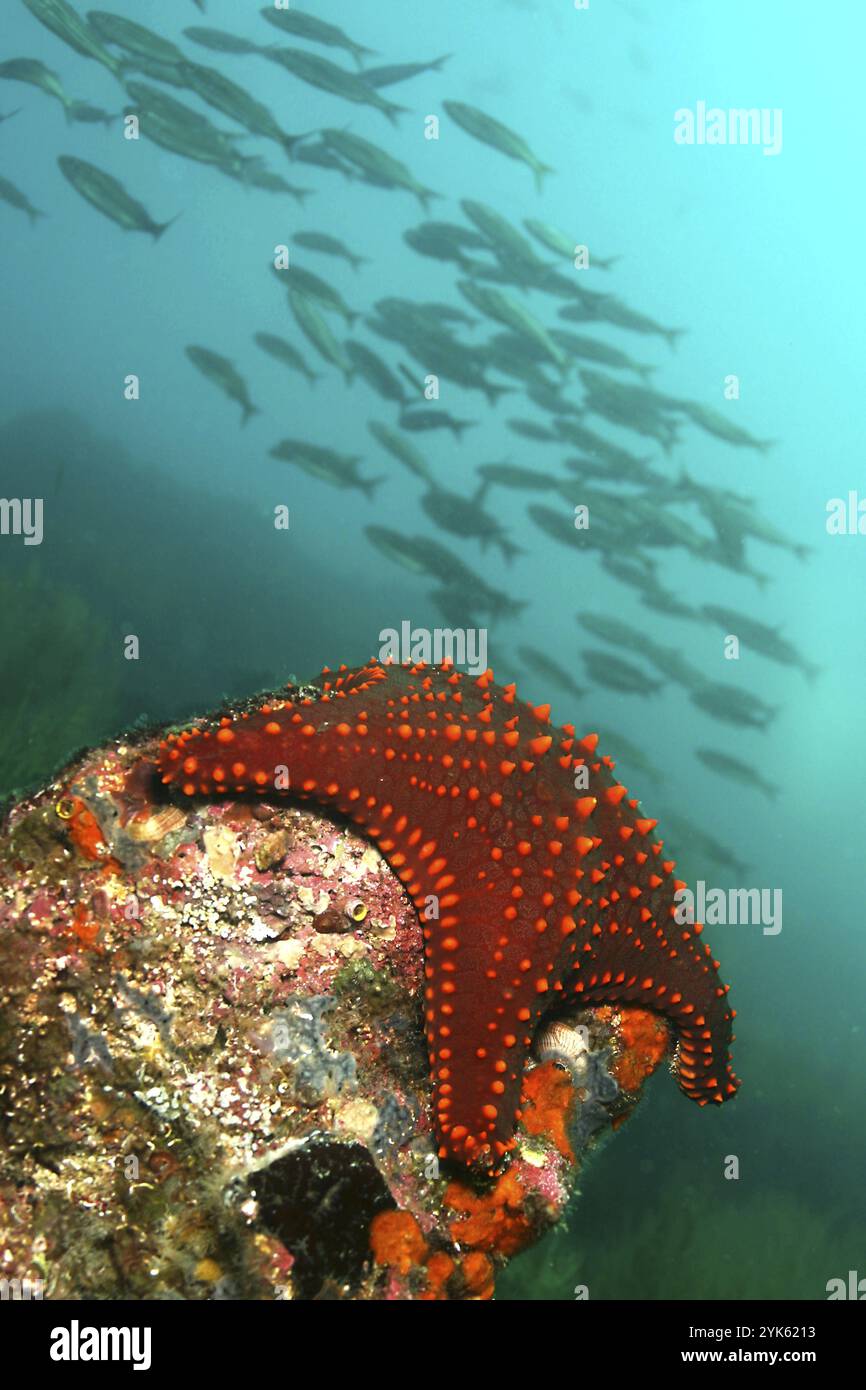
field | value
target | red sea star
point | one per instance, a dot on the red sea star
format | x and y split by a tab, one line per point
531	893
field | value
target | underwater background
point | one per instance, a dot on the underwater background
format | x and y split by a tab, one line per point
159	512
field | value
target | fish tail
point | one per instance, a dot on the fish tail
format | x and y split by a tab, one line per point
357	261
644	370
810	671
412	379
368	485
34	214
765	445
351	317
424	195
290	141
458	426
673	335
513	607
248	412
482	490
510	551
494	392
393	111
437	62
541	171
159	228
349	375
802	552
301	194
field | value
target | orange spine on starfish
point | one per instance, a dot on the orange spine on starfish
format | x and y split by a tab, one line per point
531	893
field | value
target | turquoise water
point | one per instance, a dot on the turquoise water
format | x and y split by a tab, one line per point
158	512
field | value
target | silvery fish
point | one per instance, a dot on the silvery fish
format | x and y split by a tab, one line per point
315	30
530	430
507	311
536	661
511	246
562	244
400	72
253	175
400	449
315	288
723	428
608	309
218	41
284	352
761	638
133	38
226	96
492	132
618	674
378	166
736	771
396	546
68	25
445	241
178	128
340	470
434	419
109	196
36	74
732	704
465	516
16	199
314	328
329	246
220	370
513	476
329	77
375	372
86	114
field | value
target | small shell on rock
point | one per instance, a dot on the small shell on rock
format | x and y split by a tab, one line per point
272	850
151	825
221	848
563	1042
342	916
332	920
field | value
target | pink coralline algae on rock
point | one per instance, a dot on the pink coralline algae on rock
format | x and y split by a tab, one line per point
213	1061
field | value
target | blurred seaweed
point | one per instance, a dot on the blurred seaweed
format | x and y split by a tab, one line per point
60	691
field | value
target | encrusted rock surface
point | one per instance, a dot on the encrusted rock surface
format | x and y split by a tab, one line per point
213	1076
